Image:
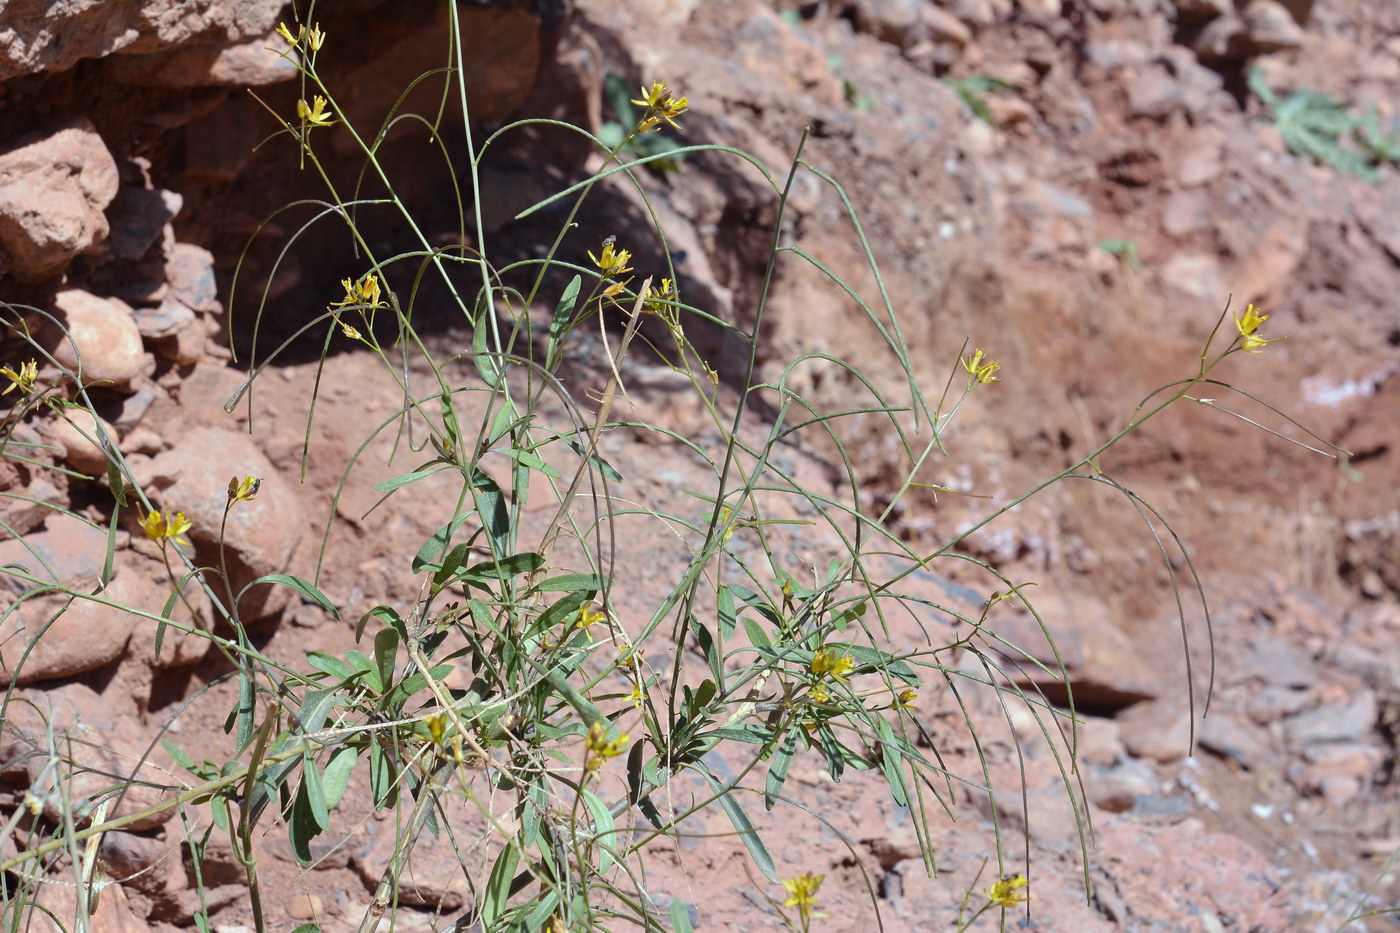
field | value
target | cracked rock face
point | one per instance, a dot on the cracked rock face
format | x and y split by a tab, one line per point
38	35
54	187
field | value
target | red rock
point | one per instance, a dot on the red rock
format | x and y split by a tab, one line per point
102	341
1157	729
254	63
54	187
78	437
58	37
260	536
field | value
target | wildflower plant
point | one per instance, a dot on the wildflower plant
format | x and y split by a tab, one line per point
517	682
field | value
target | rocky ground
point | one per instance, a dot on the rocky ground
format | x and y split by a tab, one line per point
1120	181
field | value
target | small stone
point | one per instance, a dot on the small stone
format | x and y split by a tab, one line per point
1100	741
190	271
1339	789
1276	662
1333	722
1042	9
78	435
1185	212
1227	736
54	188
304	907
945	27
1223	39
108	345
1198	11
1118	788
1269	27
1195	274
1200	162
1153	93
1010	111
894	21
163	321
1157	729
1274	703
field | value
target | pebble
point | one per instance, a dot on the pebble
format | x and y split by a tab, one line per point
105	336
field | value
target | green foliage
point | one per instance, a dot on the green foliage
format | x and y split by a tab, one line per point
974	91
1123	250
1320	127
500	683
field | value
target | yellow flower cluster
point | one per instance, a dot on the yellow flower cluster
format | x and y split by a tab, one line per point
981	369
22	379
802	894
243	490
827	662
661	107
1007	892
162	526
315	113
601	748
314	36
1251	341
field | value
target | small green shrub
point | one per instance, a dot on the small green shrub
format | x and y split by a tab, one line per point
1322	128
752	650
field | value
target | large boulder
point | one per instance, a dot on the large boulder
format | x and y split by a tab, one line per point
99	340
61	638
54	186
259	537
39	35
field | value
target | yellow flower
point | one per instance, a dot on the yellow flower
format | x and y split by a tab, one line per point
162	526
601	748
287	34
802	894
437	727
981	371
637	695
347	330
819	694
658	296
905	699
724	520
652	99
588	616
364	292
315	38
245	489
1251	341
827	662
1007	892
314	113
23	379
660	106
613	261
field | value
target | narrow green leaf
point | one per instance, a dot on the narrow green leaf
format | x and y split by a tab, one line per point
680	917
316	706
745	828
493	901
386	653
572	581
301	586
404	479
604	829
559	324
180	757
247	709
439	540
337	775
329	664
315	795
778	770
